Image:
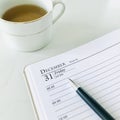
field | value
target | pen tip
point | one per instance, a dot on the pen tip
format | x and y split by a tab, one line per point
73	84
70	79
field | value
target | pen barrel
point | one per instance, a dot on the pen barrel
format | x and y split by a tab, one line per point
98	109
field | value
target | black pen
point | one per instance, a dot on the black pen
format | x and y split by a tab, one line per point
97	108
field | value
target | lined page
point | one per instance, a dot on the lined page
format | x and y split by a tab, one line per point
98	74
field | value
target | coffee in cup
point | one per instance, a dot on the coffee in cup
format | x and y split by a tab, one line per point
24	13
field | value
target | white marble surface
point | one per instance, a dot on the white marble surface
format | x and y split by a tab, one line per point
83	21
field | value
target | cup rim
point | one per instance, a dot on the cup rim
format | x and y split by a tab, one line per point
27	22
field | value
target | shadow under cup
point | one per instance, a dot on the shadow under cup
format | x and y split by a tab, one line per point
31	35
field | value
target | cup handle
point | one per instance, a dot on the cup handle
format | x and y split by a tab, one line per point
56	2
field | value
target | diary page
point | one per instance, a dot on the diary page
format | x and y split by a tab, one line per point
95	67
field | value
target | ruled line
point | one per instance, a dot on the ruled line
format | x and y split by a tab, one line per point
101	69
57	86
68	105
64	95
102	73
109	98
98	80
73	97
64	84
105	82
106	88
72	110
60	91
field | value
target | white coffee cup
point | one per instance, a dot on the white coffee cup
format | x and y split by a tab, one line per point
31	35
